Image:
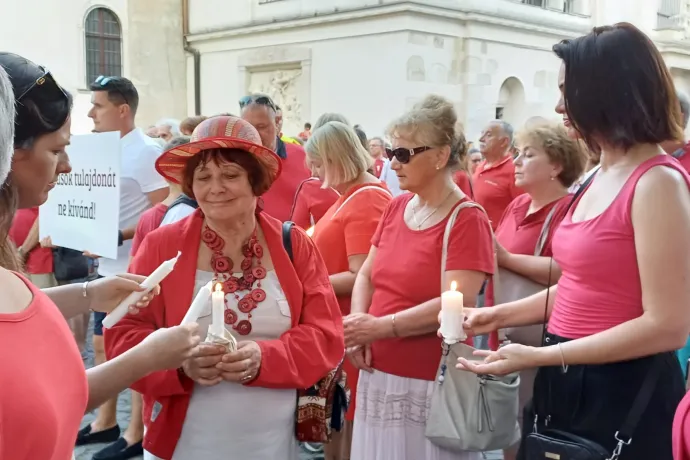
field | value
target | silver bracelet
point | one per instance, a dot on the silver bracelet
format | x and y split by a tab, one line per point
564	366
84	287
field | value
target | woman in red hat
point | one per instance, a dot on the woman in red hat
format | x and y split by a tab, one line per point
283	314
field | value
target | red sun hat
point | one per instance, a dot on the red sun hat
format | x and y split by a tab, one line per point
223	132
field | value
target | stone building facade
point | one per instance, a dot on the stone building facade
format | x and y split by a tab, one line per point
369	59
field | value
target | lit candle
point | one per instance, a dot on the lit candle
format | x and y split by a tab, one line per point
200	302
452	316
148	284
218	299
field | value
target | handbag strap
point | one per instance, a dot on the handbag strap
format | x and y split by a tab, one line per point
544	234
368	187
446	238
576	196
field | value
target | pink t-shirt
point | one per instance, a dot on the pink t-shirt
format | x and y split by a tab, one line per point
43	388
600	286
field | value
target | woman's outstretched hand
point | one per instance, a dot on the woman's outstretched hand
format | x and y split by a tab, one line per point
107	293
478	321
169	348
505	360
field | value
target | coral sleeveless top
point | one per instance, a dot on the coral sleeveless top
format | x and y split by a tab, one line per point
600	286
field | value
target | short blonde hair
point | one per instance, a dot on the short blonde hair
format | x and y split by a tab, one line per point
559	147
338	147
432	123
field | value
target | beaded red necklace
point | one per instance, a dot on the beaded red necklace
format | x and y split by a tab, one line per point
222	269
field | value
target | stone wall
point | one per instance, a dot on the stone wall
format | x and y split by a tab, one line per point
157	61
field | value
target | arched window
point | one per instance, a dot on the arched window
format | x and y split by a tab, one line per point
103	38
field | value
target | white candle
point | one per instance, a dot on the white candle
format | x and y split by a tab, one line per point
198	305
218	299
452	315
149	283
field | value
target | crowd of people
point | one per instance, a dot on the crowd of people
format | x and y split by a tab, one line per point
329	247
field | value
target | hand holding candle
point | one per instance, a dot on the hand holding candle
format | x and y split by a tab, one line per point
148	284
452	315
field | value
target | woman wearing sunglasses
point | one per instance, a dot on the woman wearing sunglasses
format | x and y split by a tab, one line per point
44	388
390	333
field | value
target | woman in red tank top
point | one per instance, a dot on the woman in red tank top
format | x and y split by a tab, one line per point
622	304
45	389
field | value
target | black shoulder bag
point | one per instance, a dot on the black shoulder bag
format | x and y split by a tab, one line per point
559	444
320	408
182	199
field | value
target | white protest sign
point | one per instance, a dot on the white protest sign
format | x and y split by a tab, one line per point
83	210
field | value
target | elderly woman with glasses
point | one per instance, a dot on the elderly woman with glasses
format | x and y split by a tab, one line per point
225	404
391	331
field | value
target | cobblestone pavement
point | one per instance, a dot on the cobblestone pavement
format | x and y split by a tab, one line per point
123	412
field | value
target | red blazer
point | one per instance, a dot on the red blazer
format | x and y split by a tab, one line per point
298	359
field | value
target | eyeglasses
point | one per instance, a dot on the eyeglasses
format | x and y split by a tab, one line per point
404	155
48	84
261	100
105	83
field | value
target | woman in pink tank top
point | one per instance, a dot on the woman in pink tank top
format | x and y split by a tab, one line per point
622	304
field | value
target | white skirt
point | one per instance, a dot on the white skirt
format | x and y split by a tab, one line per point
390	420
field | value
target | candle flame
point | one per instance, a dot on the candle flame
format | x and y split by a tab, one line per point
219	287
453	286
310	232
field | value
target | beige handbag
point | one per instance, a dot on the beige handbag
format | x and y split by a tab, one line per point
515	287
470	412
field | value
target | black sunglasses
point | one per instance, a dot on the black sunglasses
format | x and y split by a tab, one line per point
105	83
404	155
261	100
48	84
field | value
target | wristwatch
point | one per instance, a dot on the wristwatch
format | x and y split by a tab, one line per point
120	238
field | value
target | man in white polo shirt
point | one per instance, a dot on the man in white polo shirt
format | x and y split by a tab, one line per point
115	101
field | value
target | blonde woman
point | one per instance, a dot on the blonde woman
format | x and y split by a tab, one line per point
391	329
343	235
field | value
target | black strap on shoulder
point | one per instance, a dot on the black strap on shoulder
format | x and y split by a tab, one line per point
182	199
625	434
287	238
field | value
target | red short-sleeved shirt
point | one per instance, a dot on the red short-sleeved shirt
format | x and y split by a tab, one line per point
349	233
43	387
518	233
149	221
494	187
378	167
406	278
39	261
311	202
462	180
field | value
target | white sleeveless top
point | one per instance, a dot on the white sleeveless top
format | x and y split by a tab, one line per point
230	421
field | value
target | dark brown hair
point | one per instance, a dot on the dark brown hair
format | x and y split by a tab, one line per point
258	177
618	89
